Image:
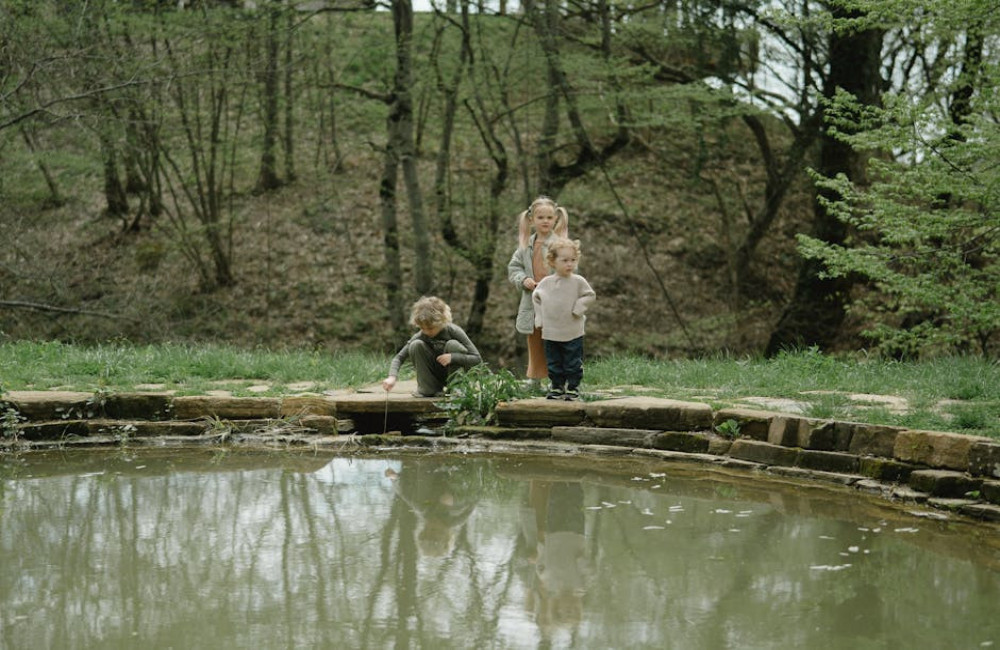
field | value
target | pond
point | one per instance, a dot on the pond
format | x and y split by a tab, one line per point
170	548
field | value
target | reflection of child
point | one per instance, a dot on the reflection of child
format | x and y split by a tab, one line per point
440	501
561	300
561	567
527	267
436	350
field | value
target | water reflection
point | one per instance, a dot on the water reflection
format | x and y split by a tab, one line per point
439	495
238	549
556	542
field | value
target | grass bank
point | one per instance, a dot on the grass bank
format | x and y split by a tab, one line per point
960	394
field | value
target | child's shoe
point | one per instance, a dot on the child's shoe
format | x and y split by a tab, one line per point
555	393
571	395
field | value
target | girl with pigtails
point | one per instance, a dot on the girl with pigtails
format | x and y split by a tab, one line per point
541	223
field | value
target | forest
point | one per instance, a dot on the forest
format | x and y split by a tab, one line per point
745	176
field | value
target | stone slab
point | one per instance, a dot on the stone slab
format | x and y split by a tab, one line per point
935	449
650	413
226	408
302	405
540	412
983	511
873	440
504	433
124	429
944	483
603	436
753	423
49	405
837	478
53	430
138	406
763	452
984	459
694	443
827	461
395	402
885	469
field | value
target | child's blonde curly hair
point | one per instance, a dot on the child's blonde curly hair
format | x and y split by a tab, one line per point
558	244
430	312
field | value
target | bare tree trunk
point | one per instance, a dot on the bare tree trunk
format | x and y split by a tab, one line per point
55	196
402	115
779	180
390	238
116	202
545	20
478	248
268	178
289	90
818	306
553	177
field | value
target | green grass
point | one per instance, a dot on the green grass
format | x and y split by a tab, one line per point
960	394
186	369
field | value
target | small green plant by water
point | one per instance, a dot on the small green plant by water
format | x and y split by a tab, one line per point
730	429
473	394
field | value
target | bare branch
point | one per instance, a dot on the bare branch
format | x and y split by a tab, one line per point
22	304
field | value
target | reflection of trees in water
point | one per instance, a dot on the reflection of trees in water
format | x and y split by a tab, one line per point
283	558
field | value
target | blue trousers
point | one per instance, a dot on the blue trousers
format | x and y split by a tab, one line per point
565	362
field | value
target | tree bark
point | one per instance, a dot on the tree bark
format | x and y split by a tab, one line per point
402	115
268	178
818	306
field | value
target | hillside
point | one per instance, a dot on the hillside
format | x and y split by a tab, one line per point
308	263
308	257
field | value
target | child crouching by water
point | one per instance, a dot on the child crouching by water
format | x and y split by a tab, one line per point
437	350
561	301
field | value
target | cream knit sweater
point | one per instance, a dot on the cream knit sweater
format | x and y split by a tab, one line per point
560	306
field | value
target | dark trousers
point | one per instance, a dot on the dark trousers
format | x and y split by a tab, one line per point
565	361
432	377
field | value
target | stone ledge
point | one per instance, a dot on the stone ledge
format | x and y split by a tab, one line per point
981	511
504	433
984	459
763	452
814	475
49	405
934	449
829	461
944	468
944	483
694	443
650	413
144	428
885	469
873	440
603	436
540	412
226	408
753	423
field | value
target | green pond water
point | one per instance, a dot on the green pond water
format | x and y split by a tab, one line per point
172	548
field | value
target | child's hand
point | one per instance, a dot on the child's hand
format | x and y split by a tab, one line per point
388	383
444	359
529	284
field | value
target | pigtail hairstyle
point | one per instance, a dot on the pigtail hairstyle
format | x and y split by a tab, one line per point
561	227
524	228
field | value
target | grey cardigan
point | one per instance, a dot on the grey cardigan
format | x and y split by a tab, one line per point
518	269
